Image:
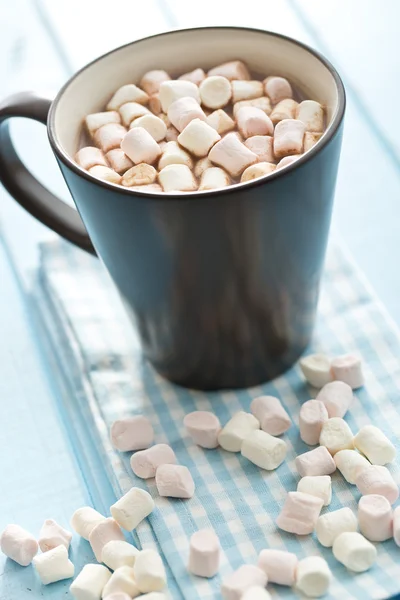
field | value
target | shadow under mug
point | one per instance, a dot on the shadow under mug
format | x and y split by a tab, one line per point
222	285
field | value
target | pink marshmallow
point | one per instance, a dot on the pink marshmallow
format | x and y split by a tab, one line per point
18	544
288	137
348	368
152	80
184	110
109	136
203	427
271	414
300	513
140	146
263	146
253	121
132	433
277	88
313	415
375	518
204	553
376	479
337	397
232	155
237	583
52	535
396	525
104	532
145	463
315	462
280	566
174	481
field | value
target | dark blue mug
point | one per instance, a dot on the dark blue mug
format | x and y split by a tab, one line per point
222	285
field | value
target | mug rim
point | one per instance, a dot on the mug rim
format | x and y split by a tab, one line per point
279	173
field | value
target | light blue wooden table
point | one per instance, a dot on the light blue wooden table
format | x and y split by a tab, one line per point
42	471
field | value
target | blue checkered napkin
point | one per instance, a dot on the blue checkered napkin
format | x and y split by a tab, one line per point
101	358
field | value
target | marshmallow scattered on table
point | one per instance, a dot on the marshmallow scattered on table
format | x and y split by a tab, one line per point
90	582
97	120
52	535
174	481
372	442
262	145
315	462
263	103
246	90
280	566
316	369
236	430
127	93
269	411
84	520
264	450
396	525
313	415
354	551
299	513
173	154
173	90
348	368
337	397
285	109
256	171
152	80
376	479
313	576
54	565
140	146
109	136
184	110
232	70
132	508
214	178
350	463
288	137
198	137
277	88
131	111
118	160
122	580
196	76
215	91
149	571
245	577
141	174
375	518
105	173
203	427
153	125
118	553
89	157
220	121
204	553
310	139
253	121
331	525
18	544
177	178
256	592
102	533
132	433
319	485
311	114
233	156
145	463
336	435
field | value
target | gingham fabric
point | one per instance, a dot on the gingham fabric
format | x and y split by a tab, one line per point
101	358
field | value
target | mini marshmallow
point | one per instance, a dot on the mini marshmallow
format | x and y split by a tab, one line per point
177	178
246	90
145	463
127	93
279	566
376	479
375	517
285	109
215	91
272	416
262	103
311	114
151	187
173	154
236	430
90	582
288	138
203	427
336	435
89	157
372	442
313	576
396	525
122	580
319	486
97	120
253	121
173	90
198	137
331	525
201	166
337	397
315	462
310	139
118	160
105	173
256	592
118	553
313	415
214	178
316	368
350	463
232	155
155	104
354	551
277	88
118	596
232	70
52	535
174	481
131	111
102	533
54	565
18	544
140	146
172	134
245	577
109	136
142	174
84	520
153	124
184	110
196	76
152	80
264	450
132	508
263	146
348	368
220	121
299	513
149	572
132	433
204	553
287	160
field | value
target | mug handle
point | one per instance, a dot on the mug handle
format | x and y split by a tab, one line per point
22	185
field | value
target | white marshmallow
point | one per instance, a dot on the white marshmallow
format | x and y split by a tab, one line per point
131	111
337	397
348	368
236	430
145	463
89	157
173	154
263	146
196	76
105	173
256	592
320	486
313	415
277	88
287	160
215	91
214	178
237	583
90	582
253	121
396	525
280	566
153	124
54	565
332	524
97	120
349	463
141	174
220	121
336	435
315	462
127	93
52	535
376	479
264	450
375	517
149	571
203	427
272	416
18	544
152	80
118	596
151	187
246	90
354	551
204	553
285	109
109	136
177	178
132	508
172	134
140	146
174	481
311	114
118	553
256	171
184	110
122	580
372	442
102	533
232	155
201	165
151	596
316	369
313	576
198	137
132	433
84	520
118	160
310	139
288	138
232	70
263	103
173	90
299	513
